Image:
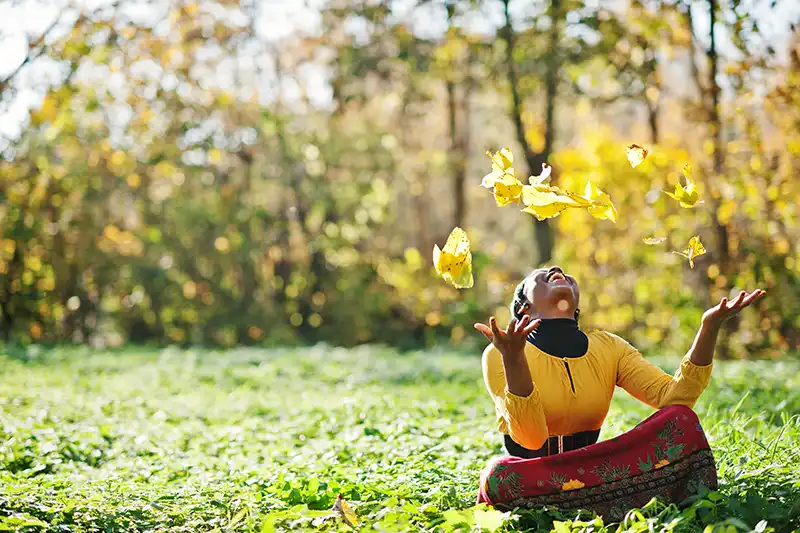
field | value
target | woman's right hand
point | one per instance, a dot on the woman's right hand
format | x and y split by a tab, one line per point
511	341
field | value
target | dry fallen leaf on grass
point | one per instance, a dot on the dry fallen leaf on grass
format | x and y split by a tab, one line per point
343	509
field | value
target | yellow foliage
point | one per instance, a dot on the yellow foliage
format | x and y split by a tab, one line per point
454	262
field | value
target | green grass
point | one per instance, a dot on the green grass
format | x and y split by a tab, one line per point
264	440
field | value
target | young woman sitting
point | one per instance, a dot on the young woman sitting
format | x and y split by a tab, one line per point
552	384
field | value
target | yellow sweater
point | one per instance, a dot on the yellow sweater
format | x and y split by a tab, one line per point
573	394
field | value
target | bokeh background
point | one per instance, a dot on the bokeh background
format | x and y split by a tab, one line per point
278	171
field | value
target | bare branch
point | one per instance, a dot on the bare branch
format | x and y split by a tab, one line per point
32	55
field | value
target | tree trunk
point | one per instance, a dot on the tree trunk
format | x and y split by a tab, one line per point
720	230
543	231
458	119
652	120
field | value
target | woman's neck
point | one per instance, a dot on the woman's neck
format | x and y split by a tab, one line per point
560	336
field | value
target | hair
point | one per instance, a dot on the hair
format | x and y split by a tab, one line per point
520	299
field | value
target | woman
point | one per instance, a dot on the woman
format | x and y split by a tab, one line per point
552	385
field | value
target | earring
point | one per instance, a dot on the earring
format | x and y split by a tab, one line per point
577	314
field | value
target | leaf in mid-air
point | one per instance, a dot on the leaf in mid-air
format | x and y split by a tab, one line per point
545	202
636	154
688	195
502	159
601	206
543	212
345	511
508	189
654	240
454	262
694	250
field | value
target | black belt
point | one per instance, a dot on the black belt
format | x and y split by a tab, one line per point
554	445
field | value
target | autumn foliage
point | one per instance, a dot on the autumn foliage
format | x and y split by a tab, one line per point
174	186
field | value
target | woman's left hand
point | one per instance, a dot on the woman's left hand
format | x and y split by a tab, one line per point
718	314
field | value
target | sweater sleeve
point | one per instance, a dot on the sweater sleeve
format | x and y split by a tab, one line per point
651	385
522	418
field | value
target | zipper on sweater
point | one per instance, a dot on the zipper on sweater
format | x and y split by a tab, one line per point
569	374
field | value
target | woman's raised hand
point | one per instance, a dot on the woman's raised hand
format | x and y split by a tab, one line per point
725	309
511	341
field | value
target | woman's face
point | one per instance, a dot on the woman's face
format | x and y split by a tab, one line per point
551	289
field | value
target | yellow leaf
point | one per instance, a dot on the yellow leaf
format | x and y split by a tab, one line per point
688	195
502	159
543	201
454	262
343	509
654	240
694	250
601	206
493	177
542	212
636	154
507	190
533	196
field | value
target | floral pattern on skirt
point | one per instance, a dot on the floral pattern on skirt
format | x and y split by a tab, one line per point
666	456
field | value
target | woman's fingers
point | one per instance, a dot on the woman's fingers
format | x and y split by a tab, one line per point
487	332
493	324
750	298
522	324
737	302
532	326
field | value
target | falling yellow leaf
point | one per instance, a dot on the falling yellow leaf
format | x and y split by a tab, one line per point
546	202
636	154
502	159
687	196
654	240
454	262
543	212
694	250
507	190
601	206
343	509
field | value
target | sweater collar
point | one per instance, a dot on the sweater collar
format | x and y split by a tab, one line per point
560	337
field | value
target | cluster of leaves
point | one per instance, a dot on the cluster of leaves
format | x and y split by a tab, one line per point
541	199
188	441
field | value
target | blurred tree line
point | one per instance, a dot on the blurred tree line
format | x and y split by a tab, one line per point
186	178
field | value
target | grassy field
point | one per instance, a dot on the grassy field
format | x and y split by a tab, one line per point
264	440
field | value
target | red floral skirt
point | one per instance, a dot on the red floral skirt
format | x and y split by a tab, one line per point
666	456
